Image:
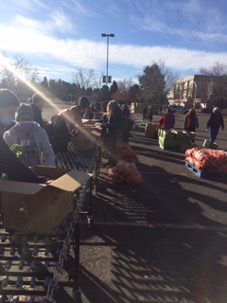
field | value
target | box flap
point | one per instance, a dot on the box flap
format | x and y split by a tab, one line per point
72	180
84	121
50	172
20	187
98	126
95	133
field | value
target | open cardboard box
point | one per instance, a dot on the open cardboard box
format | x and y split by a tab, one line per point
88	121
86	139
39	208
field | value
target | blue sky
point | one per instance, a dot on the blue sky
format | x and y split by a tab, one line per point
61	36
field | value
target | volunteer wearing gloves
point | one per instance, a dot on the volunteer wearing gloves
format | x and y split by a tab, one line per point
31	138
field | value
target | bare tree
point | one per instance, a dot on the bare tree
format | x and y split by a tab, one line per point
169	76
17	74
124	84
217	84
86	79
218	69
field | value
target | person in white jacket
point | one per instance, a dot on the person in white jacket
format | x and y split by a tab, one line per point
32	139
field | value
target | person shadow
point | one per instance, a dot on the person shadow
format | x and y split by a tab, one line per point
153	241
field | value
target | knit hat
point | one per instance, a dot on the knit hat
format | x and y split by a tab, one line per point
23	110
7	98
216	110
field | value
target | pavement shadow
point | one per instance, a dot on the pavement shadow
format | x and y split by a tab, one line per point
157	241
163	248
181	205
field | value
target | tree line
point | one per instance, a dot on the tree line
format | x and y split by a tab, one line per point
154	83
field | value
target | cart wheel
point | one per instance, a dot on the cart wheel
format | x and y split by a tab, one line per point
90	221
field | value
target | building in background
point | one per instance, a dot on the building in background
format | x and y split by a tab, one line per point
197	90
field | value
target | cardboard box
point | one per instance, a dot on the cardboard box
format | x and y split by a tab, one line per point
88	121
160	131
84	140
168	134
167	143
98	115
151	130
184	136
39	208
89	128
209	144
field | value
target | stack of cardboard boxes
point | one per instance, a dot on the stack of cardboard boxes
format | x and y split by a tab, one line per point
39	208
88	135
173	139
151	130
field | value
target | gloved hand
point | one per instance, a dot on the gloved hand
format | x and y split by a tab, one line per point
42	179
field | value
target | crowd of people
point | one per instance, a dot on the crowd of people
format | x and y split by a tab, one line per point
28	140
191	122
35	141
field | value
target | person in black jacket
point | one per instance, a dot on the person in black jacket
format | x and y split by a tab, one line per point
191	121
8	106
127	123
37	103
62	128
214	123
113	130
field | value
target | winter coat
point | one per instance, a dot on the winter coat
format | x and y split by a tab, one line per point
215	121
191	122
59	134
167	121
37	135
37	115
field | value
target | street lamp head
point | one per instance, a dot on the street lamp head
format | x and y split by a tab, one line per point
108	35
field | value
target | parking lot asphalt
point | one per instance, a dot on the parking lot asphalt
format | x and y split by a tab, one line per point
161	241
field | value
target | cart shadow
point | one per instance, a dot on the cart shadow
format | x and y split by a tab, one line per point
162	246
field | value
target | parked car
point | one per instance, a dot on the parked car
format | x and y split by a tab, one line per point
204	108
178	108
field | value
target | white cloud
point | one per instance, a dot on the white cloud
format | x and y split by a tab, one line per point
28	5
60	22
90	54
79	9
194	19
37	39
57	22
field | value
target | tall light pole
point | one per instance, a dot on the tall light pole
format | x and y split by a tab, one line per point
194	101
107	56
